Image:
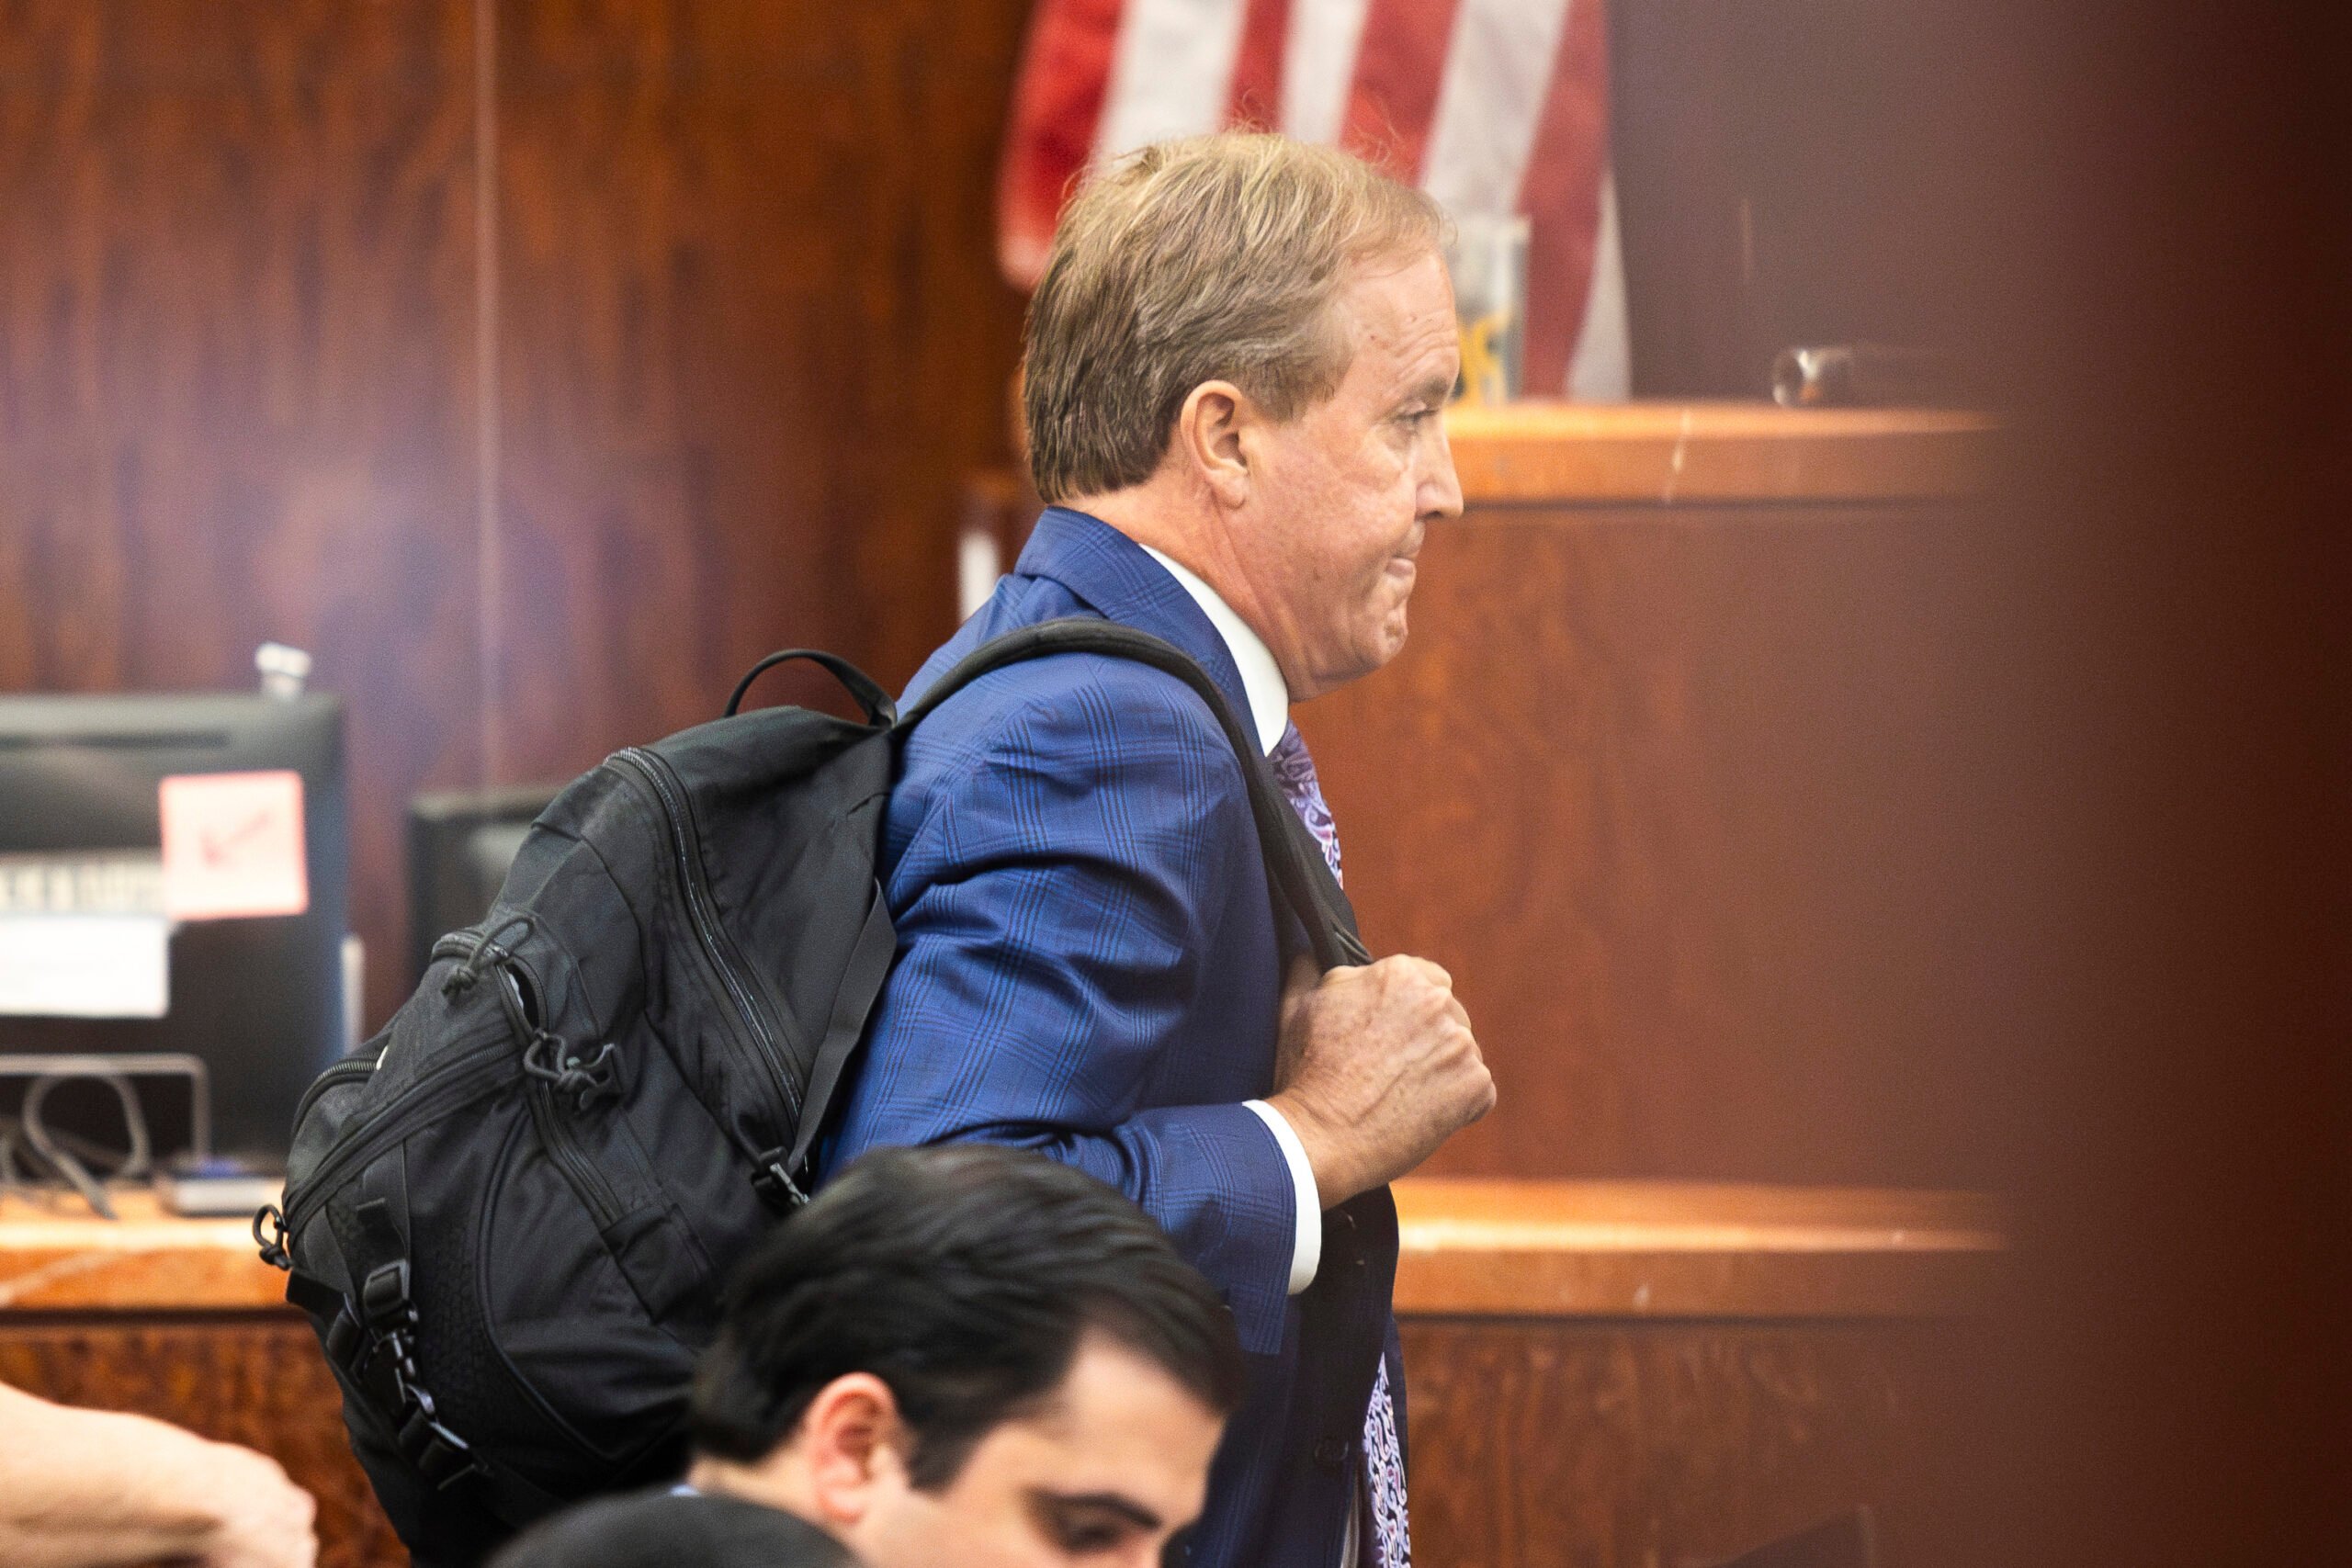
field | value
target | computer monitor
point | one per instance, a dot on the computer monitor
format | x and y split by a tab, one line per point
171	879
460	844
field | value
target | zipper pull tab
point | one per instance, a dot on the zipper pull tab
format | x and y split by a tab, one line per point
775	1184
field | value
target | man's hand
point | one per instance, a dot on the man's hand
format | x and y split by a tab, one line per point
1378	1067
262	1519
99	1489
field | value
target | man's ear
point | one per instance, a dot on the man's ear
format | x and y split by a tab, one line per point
1210	431
854	1445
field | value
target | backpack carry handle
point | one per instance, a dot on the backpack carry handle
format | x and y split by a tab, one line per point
1295	862
881	710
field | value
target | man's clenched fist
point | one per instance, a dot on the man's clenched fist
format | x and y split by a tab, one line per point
1378	1067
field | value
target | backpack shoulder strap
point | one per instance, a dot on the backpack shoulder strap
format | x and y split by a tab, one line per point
1294	864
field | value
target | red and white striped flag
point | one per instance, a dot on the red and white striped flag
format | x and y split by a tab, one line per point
1494	107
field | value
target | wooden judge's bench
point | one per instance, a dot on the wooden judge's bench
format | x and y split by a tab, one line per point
1661	778
1600	1372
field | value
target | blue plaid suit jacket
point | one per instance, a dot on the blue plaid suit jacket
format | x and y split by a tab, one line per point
1090	964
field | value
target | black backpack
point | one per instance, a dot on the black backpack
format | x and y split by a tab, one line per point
510	1213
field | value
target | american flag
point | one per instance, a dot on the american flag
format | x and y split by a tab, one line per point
1493	107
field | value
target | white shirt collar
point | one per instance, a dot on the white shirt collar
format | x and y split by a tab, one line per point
1262	678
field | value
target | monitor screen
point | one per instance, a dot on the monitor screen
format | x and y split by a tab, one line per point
172	878
460	843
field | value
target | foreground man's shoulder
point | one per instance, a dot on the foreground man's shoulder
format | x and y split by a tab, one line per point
653	1530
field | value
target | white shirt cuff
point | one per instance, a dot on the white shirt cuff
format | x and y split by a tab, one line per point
1306	1250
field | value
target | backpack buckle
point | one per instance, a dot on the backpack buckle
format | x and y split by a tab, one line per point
549	1059
775	1184
598	1078
273	1246
387	1368
384	1302
442	1457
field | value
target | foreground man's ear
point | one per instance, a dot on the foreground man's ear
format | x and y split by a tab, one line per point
852	1443
1210	431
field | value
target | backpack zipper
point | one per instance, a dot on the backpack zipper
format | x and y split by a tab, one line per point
561	1141
669	796
444	1087
353	1067
557	1135
348	1068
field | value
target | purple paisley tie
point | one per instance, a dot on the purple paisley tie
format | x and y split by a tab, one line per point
1388	1541
1295	770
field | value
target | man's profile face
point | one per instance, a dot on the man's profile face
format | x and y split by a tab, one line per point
1343	494
1114	1463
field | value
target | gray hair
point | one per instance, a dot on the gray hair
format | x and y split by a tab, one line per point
1211	258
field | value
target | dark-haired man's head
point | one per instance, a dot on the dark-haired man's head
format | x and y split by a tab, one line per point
969	1355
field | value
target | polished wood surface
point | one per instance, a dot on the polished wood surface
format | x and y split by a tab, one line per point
1537	1443
1669	1249
55	1255
1505	1249
1672	775
1678	794
1668	453
1548	455
1622	1374
536	365
1598	1370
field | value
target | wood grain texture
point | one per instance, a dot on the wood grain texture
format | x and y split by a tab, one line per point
1661	1249
1596	1444
1689	801
738	300
1670	454
1561	1248
751	343
62	1257
1682	775
236	389
1603	1373
1535	1443
258	1381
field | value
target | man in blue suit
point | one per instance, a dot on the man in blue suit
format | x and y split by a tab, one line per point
1236	366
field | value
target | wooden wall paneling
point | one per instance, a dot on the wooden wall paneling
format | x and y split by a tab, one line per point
1593	1444
748	338
938	331
236	371
751	340
257	1379
1685	801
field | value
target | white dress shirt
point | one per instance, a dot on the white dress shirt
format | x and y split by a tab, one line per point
1268	694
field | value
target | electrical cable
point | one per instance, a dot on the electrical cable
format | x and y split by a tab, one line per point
36	1158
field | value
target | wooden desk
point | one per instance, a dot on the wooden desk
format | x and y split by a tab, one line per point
1621	1374
1552	454
66	1260
1664	1249
1614	1373
1684	775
